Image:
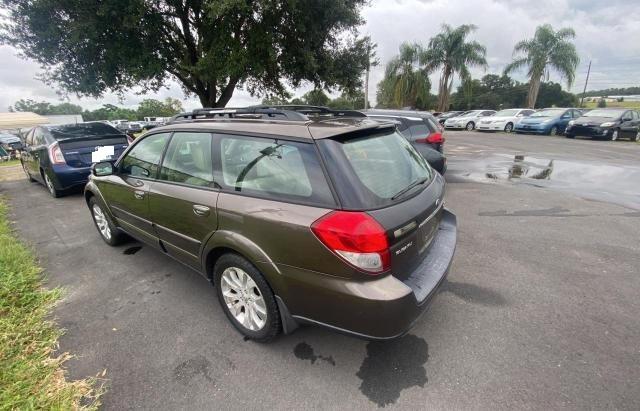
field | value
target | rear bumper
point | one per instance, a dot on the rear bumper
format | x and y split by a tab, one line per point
379	309
68	177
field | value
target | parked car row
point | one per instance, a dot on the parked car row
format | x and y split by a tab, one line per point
606	123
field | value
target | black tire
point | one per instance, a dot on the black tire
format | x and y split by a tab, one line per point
553	131
508	128
116	236
470	126
31	179
51	185
615	135
637	137
272	325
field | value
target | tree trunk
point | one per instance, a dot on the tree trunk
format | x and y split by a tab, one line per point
208	95
366	87
534	88
443	94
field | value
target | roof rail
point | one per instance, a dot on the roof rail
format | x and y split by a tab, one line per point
256	112
315	111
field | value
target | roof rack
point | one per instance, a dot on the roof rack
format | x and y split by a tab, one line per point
313	111
255	112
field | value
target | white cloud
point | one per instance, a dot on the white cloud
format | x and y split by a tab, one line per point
607	33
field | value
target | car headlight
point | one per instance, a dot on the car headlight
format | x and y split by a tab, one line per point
608	124
572	122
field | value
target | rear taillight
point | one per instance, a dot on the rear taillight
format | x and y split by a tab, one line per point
357	238
55	154
433	138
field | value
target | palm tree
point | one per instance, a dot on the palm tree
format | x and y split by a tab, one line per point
450	51
548	49
405	83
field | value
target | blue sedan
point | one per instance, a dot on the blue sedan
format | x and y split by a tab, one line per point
550	121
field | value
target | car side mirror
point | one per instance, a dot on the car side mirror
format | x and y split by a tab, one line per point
103	168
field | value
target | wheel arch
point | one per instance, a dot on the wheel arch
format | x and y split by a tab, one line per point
222	242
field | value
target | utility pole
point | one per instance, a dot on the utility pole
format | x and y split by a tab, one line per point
585	84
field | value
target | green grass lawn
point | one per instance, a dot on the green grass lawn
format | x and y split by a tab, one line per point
31	372
13	162
623	104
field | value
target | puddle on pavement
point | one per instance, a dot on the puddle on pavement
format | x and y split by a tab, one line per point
132	250
393	366
304	351
596	181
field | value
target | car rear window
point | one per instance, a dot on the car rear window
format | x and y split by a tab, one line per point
369	171
82	130
272	168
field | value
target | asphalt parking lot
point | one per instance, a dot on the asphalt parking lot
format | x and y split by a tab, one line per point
540	311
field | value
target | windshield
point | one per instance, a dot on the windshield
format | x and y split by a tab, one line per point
604	113
506	113
548	113
469	113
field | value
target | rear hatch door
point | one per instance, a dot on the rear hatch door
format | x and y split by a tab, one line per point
84	151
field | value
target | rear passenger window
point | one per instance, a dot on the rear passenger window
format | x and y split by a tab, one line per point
144	157
273	168
188	160
419	130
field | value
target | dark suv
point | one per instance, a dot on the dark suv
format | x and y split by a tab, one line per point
421	129
332	221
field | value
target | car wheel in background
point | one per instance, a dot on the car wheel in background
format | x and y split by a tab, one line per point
637	137
105	226
614	135
24	168
553	131
508	128
246	298
55	193
470	126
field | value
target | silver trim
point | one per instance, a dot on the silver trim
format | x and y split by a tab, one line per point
426	220
403	230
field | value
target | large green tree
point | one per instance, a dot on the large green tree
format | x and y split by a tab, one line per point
45	108
450	52
405	83
156	108
211	47
548	49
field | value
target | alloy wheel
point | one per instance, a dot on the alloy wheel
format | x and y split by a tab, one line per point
49	184
553	131
470	126
101	222
243	299
508	128
614	135
637	136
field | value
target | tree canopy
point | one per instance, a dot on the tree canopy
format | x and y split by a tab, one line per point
210	47
548	49
405	83
450	52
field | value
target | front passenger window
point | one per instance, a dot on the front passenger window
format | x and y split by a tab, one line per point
188	160
143	159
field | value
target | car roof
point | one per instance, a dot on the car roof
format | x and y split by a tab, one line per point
311	129
398	113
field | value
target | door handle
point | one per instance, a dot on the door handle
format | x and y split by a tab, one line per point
201	210
138	194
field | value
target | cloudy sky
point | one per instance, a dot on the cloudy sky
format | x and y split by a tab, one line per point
608	33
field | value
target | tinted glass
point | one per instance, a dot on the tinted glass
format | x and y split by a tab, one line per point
548	113
506	113
144	157
188	160
38	138
398	122
272	168
384	164
81	130
420	130
604	113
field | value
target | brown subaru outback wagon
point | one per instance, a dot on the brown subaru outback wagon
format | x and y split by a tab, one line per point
334	220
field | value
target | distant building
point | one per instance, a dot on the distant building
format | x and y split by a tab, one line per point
65	118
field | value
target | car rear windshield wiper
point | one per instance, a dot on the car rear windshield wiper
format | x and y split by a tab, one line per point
410	186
